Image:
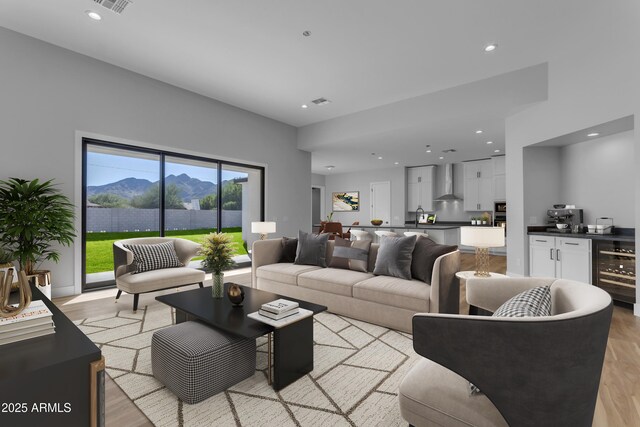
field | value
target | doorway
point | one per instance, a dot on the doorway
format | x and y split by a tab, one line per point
317	205
381	201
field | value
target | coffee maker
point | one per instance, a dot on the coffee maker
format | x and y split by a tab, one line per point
570	217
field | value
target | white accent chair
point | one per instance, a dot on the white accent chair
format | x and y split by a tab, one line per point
154	280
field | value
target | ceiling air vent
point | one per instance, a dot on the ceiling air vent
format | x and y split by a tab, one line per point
321	101
116	6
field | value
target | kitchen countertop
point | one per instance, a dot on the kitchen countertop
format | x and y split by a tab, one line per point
621	237
437	226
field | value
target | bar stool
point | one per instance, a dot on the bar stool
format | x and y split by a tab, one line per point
381	233
415	233
361	235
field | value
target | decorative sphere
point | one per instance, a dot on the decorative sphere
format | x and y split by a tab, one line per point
235	294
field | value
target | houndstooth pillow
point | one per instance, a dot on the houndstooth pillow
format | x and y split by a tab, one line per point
154	256
531	303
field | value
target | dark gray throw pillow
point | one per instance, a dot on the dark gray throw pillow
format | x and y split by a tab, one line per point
312	249
289	249
425	254
350	255
394	257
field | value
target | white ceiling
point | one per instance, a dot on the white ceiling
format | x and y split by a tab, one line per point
362	54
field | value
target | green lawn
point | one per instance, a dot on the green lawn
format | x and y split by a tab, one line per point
100	245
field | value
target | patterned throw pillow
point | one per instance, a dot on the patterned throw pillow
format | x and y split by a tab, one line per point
153	256
351	255
531	303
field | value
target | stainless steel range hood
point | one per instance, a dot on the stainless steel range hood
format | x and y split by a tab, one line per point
448	185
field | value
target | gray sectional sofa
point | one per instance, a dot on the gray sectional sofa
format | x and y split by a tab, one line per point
383	300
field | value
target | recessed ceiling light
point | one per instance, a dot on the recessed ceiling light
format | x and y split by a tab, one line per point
379	157
428	151
593	134
396	163
490	47
441	157
304	106
330	167
489	142
496	151
479	131
93	15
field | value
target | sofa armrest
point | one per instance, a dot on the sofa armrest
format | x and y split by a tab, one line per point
445	286
264	252
490	293
122	260
186	250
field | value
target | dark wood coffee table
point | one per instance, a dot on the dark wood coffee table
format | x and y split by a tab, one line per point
292	344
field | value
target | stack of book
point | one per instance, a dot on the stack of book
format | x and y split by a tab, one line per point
34	321
279	309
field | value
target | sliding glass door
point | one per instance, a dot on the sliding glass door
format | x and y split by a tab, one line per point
135	192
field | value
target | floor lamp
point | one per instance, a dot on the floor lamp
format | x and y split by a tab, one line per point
482	238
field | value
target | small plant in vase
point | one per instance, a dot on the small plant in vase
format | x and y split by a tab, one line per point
473	220
217	250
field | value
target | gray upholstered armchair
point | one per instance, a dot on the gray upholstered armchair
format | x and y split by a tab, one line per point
154	280
532	371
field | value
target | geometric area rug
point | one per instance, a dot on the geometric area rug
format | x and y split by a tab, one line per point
358	368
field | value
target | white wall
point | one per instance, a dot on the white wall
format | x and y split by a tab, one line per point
360	181
592	80
542	183
317	180
596	175
49	93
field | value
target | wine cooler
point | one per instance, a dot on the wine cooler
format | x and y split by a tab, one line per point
614	268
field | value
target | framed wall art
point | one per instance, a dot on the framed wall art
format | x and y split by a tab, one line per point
348	201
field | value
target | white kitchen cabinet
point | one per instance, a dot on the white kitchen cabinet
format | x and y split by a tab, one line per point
478	185
499	179
560	257
420	186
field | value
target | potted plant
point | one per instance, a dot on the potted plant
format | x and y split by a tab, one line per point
6	262
473	220
486	218
217	250
34	216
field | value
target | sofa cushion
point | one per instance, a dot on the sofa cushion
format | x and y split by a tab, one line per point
153	256
350	255
407	294
312	249
283	272
159	279
289	249
333	280
433	395
424	257
394	257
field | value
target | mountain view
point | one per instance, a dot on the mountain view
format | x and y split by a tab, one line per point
128	188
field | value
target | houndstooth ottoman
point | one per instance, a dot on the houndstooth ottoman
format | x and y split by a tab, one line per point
195	361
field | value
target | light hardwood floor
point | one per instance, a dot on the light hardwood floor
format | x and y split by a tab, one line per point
618	401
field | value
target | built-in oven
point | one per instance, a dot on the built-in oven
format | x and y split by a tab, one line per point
500	215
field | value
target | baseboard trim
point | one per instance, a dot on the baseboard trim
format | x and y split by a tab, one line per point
64	291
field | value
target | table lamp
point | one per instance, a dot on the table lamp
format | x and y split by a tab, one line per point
263	228
482	238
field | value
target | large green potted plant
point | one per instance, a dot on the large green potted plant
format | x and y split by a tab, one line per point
35	217
217	250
